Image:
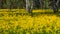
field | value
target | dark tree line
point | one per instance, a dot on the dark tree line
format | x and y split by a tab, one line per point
22	3
29	4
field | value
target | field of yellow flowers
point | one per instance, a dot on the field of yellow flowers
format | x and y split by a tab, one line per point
17	21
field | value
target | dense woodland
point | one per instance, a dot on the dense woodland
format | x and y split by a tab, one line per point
5	4
22	4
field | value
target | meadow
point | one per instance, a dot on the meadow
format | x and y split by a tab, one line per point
17	21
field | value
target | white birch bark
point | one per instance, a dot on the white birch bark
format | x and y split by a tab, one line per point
29	5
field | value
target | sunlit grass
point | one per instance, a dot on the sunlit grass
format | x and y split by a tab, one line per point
18	22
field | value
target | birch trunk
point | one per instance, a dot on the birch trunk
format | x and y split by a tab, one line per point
29	6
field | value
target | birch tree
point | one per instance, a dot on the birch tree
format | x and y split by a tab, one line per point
29	6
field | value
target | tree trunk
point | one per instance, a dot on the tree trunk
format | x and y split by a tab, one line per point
29	6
